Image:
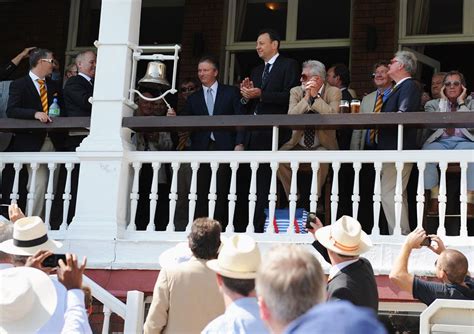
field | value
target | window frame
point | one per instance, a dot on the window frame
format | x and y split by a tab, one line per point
290	42
466	36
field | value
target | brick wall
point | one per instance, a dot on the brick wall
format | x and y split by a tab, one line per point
33	23
381	15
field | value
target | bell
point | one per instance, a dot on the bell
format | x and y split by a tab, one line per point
155	76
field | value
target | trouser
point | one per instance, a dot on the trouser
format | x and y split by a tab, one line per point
41	182
449	143
388	186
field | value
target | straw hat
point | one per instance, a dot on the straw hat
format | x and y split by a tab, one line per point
27	300
175	255
344	237
239	258
29	236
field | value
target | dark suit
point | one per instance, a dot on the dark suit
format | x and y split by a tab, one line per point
284	75
355	283
24	101
227	102
77	92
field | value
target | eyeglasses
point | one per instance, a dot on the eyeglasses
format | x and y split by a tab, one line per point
305	77
51	61
452	83
187	89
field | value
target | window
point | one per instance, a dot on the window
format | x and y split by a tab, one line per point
430	17
308	29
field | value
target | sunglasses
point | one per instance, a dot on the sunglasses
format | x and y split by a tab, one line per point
51	61
452	83
187	89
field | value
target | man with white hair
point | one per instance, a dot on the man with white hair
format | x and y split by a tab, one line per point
314	95
405	97
236	268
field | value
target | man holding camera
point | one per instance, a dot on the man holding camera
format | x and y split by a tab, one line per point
451	270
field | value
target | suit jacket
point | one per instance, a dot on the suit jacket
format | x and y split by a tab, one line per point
23	102
403	98
327	104
185	299
355	283
358	135
227	103
77	92
283	76
434	106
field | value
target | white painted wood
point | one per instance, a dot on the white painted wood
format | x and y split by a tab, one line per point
232	197
173	196
153	196
32	190
314	196
335	190
135	312
49	196
272	198
134	195
106	324
463	199
420	196
252	196
212	197
442	199
67	195
293	197
377	198
355	197
192	195
398	198
14	194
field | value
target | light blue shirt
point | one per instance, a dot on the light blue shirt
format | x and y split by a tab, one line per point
242	317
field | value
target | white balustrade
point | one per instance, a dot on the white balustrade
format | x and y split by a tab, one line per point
212	197
173	196
134	196
153	196
355	197
314	196
232	196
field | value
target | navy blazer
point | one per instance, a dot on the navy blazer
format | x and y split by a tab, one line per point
227	103
23	102
275	98
404	98
77	92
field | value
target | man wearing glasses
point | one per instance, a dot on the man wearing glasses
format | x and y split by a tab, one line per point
453	98
313	96
30	98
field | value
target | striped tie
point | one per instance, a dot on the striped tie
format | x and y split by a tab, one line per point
43	96
378	108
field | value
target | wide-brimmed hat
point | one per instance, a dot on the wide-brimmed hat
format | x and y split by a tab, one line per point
175	255
239	258
27	300
344	237
29	236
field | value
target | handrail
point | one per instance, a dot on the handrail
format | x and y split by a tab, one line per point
333	121
114	304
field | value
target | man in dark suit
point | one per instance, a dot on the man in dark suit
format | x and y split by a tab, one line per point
267	91
214	99
405	97
30	98
77	91
351	277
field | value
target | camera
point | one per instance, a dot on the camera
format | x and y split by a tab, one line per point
426	242
311	218
52	260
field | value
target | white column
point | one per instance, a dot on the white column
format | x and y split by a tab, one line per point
104	170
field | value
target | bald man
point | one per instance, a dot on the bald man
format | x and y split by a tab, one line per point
451	270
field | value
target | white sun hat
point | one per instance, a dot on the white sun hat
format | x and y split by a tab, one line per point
239	258
29	236
344	237
27	300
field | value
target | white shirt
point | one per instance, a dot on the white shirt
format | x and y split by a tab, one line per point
400	82
56	322
271	61
338	267
88	78
75	317
35	79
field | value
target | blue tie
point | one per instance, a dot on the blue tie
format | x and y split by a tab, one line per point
210	102
210	107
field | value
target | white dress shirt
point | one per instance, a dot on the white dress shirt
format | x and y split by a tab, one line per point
75	318
35	79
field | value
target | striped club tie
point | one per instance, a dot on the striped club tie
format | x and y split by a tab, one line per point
43	96
378	108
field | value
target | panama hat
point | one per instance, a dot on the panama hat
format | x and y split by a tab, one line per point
344	237
29	236
239	258
27	300
175	255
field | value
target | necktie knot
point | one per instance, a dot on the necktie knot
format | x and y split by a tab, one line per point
41	82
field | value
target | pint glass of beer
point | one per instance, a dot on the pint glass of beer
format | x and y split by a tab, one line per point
344	107
355	106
